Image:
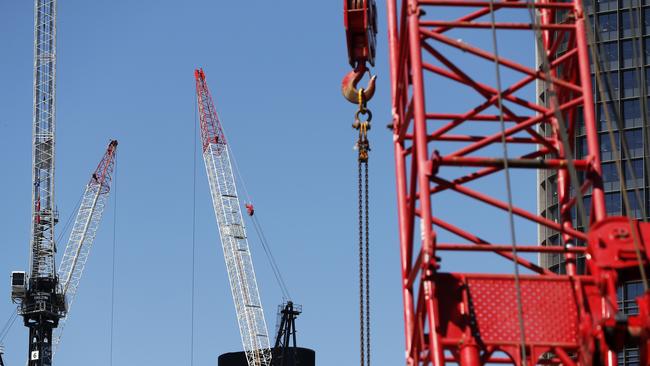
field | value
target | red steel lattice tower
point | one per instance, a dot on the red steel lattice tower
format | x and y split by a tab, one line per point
471	319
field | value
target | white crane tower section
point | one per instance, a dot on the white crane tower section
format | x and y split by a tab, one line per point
232	231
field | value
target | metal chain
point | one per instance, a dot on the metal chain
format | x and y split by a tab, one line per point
363	147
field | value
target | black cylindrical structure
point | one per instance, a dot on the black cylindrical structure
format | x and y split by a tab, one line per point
294	356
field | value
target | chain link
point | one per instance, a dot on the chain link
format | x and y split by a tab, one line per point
364	228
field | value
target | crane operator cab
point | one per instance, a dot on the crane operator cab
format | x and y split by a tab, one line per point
18	285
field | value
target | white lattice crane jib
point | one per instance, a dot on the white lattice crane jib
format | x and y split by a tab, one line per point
227	208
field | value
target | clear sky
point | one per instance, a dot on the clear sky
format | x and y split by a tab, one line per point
125	71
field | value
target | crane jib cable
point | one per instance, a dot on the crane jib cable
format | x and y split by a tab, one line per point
260	233
506	170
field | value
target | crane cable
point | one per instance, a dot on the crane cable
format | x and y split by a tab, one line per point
363	147
506	170
260	232
113	264
617	158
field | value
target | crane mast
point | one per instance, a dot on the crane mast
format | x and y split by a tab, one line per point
84	231
227	208
41	304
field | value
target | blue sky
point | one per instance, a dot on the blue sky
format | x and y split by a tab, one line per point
125	71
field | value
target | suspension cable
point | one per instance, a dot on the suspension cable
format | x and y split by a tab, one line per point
193	281
506	169
7	326
113	263
275	268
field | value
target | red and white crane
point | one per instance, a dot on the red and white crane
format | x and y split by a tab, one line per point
83	232
440	50
227	209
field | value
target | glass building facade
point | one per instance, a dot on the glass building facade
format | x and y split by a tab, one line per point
622	32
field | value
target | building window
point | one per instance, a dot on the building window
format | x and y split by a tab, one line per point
552	191
610	85
609	52
627	295
646	49
646	21
629	3
630	84
607	27
634	141
610	177
586	204
636	210
613	204
632	113
634	176
605	5
629	357
627	53
602	116
606	151
629	23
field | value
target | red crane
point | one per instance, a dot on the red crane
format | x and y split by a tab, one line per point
537	317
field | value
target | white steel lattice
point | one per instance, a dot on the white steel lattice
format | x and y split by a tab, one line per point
239	264
79	245
83	232
227	208
42	244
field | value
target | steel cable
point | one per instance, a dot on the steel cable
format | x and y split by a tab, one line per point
520	308
192	301
617	158
362	338
113	261
367	264
260	232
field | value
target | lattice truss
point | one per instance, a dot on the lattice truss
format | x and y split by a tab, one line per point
44	217
447	139
84	231
227	208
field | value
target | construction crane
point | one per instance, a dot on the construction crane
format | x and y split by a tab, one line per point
44	300
84	231
439	51
41	304
227	209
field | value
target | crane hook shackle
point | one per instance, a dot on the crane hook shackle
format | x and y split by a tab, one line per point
349	85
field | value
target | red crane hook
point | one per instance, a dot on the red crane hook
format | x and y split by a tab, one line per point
349	85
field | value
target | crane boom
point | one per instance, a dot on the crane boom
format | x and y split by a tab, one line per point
227	208
84	230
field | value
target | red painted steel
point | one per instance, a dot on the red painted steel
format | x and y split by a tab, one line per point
104	172
211	130
471	319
